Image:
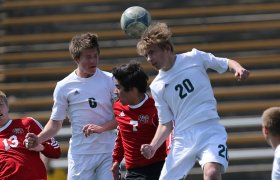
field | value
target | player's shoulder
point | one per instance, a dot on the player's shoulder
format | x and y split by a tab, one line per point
150	102
158	83
277	152
61	84
68	78
117	104
190	54
150	99
25	121
106	74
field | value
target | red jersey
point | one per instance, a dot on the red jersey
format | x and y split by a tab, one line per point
17	162
137	126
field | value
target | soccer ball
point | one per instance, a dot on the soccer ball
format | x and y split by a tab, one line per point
135	20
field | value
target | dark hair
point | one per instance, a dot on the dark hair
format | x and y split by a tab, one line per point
131	75
81	42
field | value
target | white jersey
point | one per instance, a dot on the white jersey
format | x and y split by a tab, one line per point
85	101
184	93
275	175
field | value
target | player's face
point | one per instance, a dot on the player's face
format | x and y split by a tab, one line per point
126	97
4	110
87	62
157	57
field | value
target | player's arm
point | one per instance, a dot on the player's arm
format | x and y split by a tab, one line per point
118	154
93	128
239	72
49	148
163	131
49	131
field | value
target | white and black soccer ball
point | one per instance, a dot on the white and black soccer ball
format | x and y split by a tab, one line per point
135	20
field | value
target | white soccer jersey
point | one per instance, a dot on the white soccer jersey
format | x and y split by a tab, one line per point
84	101
184	93
275	175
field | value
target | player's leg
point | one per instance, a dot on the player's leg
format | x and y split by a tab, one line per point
213	156
89	166
212	171
78	167
181	157
103	170
149	172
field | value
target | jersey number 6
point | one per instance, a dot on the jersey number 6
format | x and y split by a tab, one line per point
92	102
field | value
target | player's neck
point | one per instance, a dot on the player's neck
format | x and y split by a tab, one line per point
3	122
275	141
170	63
139	99
83	74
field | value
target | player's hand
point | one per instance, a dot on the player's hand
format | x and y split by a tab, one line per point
31	140
115	170
92	128
147	151
241	74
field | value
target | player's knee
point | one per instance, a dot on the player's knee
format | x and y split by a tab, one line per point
212	171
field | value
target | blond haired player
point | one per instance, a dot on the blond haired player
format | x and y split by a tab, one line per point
16	161
271	132
183	93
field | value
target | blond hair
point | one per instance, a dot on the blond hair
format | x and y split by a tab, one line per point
158	34
271	120
3	97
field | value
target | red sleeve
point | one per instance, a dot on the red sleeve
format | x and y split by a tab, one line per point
52	148
118	152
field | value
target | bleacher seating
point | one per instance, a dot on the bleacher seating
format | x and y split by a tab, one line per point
34	56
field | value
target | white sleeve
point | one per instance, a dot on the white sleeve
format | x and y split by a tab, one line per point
164	113
112	88
276	164
210	61
59	109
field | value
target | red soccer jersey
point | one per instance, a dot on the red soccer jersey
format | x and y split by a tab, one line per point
17	162
137	126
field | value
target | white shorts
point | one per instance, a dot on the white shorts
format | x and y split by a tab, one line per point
90	166
205	142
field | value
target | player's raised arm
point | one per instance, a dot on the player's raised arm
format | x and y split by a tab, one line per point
239	72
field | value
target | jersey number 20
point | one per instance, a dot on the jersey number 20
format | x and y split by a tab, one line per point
184	88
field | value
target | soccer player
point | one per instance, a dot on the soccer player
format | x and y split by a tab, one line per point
16	161
271	132
137	121
86	97
183	93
